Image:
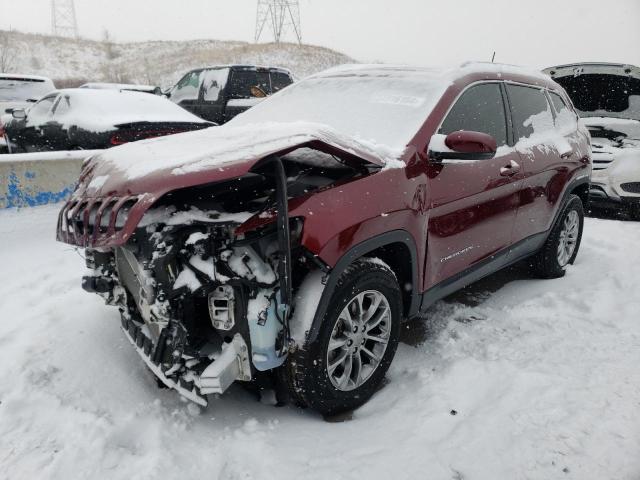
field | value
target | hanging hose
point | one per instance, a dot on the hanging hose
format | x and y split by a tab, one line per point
284	246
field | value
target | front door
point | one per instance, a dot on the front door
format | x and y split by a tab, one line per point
240	94
473	203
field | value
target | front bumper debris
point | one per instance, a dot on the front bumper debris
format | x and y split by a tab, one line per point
230	365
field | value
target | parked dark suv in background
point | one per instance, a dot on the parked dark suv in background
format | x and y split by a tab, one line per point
290	243
220	93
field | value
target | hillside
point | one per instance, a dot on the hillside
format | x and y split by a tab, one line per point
159	62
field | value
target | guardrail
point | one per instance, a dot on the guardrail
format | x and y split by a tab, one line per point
30	179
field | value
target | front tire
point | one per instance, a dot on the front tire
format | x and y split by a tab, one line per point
344	366
561	247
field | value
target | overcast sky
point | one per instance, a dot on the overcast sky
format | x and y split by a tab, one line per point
537	33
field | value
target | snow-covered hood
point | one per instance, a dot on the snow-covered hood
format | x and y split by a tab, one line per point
626	131
160	165
616	141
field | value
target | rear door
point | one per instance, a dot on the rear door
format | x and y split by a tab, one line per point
544	155
473	202
240	95
279	80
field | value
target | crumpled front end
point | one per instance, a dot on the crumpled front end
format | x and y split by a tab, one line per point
201	304
203	276
189	299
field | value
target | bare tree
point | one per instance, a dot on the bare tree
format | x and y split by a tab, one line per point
8	53
109	47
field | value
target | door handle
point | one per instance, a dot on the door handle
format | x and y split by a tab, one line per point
511	169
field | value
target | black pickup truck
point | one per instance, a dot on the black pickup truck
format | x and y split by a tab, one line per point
218	94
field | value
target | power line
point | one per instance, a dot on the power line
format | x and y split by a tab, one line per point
63	18
280	16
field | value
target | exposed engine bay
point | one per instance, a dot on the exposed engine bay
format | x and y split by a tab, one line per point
204	303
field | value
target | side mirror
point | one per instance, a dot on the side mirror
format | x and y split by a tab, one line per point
19	113
462	145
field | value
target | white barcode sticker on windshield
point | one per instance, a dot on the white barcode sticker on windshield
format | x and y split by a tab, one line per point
392	98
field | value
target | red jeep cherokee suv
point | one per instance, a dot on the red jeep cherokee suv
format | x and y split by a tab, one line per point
288	245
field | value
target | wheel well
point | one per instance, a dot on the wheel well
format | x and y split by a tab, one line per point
398	257
582	191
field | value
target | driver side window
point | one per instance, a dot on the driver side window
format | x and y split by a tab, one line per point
40	112
188	88
479	109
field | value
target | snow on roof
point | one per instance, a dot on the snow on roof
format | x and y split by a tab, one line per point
257	67
501	69
445	73
100	110
17	76
117	86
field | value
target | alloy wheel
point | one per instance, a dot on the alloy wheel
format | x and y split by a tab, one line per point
358	340
568	237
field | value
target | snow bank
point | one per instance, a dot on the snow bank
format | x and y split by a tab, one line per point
542	376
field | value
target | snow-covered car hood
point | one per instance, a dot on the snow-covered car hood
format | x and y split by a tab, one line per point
616	141
628	128
163	164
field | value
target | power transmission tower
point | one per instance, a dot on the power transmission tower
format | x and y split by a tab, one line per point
281	16
63	18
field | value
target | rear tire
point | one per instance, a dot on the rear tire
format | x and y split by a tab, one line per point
344	366
563	243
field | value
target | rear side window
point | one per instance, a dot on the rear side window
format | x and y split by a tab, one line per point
530	109
564	115
279	80
243	80
479	109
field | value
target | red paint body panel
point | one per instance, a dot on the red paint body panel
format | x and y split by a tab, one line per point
457	213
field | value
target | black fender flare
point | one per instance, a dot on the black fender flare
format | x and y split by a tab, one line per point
356	252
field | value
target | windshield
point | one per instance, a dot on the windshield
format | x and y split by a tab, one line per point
384	107
603	95
21	90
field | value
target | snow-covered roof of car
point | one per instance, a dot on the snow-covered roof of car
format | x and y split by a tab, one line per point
17	76
238	65
118	86
445	73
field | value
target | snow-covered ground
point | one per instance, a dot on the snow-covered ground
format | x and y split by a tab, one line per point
544	378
